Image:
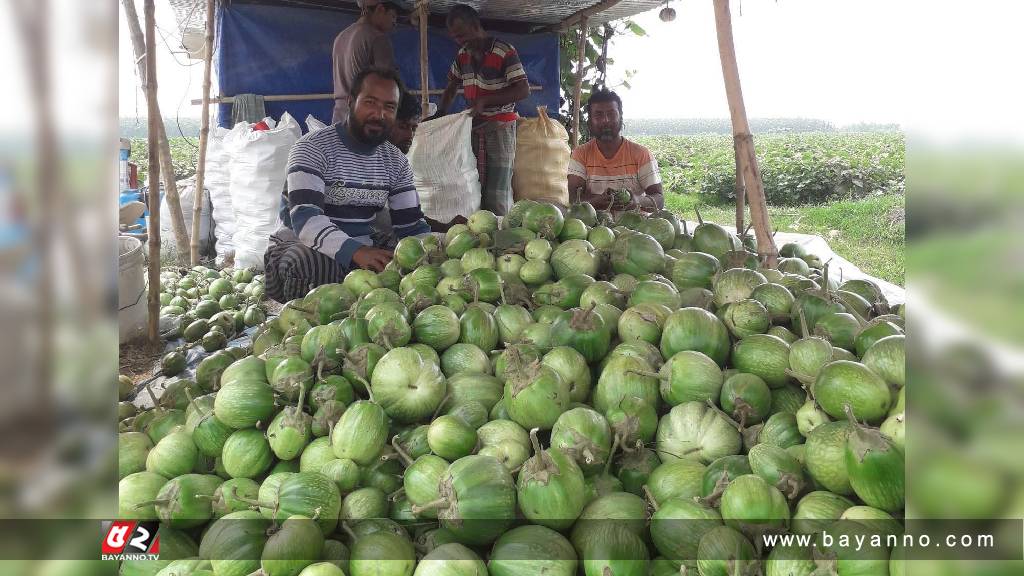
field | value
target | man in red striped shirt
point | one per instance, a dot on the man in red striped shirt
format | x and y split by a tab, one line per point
493	80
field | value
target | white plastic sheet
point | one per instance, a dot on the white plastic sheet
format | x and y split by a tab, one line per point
839	268
259	162
444	167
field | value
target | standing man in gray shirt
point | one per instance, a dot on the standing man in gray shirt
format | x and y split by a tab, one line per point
361	46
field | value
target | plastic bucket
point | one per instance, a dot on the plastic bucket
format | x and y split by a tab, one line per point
132	312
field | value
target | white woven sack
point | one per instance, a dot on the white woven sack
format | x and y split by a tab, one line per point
313	125
444	167
186	198
217	181
259	164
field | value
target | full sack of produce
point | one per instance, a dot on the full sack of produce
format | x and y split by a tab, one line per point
444	167
542	160
259	161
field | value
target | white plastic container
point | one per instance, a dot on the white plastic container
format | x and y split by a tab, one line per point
132	314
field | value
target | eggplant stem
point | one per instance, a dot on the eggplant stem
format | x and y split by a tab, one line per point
394	496
860	319
406	459
744	410
191	401
535	441
151	503
700	220
302	399
611	454
345	528
433	505
648	374
245	500
804	379
650	498
803	321
440	406
849	414
152	396
716	494
727	418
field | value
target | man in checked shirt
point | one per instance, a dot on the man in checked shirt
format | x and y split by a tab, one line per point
493	80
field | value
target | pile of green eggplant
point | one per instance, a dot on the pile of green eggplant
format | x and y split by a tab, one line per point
566	392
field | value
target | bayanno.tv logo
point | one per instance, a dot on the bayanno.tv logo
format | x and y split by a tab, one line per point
131	540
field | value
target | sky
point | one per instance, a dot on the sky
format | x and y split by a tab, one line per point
806	58
180	79
845	61
828	59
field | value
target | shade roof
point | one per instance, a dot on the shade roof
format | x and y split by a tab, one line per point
191	14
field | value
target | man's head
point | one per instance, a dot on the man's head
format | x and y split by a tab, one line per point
604	115
382	15
464	24
374	104
406	120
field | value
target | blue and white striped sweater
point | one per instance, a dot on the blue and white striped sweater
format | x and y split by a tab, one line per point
336	186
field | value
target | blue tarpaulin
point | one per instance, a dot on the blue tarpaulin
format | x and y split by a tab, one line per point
269	50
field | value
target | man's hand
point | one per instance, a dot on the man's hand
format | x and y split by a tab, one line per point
370	258
436	226
634	201
601	202
478	108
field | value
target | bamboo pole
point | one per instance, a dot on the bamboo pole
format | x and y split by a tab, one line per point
743	140
740	192
325	96
30	403
581	51
204	134
162	145
424	8
154	174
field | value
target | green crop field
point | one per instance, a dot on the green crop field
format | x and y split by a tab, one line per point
845	187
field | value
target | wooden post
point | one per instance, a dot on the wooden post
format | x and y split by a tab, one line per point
29	404
204	134
743	140
424	8
580	15
741	191
153	178
581	51
162	145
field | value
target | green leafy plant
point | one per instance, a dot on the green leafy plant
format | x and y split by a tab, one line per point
806	168
595	64
184	156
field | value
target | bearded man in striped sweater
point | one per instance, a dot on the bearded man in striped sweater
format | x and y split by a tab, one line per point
339	178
